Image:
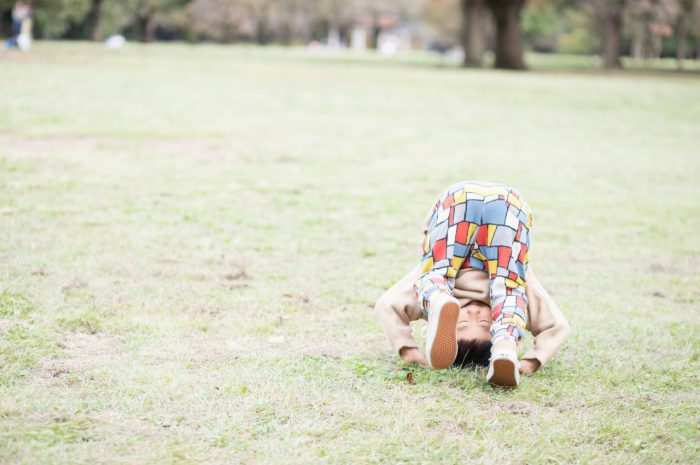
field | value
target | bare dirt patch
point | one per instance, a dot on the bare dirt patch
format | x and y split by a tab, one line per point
520	408
202	149
74	285
82	352
41	145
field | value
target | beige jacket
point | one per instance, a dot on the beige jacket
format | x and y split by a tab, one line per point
399	306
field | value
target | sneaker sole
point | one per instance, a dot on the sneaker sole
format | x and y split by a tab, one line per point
444	349
503	373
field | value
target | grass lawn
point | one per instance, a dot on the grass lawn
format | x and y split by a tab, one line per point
192	240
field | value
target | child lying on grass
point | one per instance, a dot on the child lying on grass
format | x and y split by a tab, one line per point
474	287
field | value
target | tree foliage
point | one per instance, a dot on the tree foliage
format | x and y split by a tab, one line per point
644	29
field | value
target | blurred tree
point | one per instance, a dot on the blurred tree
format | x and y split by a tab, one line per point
260	13
60	18
293	21
146	15
116	17
509	39
379	15
649	28
218	20
687	8
610	14
650	22
288	21
445	21
580	33
5	17
655	24
639	16
473	31
94	17
543	23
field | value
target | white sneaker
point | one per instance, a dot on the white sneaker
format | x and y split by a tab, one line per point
441	340
504	368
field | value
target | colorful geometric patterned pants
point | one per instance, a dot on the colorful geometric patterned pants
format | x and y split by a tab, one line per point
483	226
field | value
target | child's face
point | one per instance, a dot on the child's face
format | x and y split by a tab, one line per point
474	321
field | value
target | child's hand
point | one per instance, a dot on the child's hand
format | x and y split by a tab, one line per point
413	355
528	366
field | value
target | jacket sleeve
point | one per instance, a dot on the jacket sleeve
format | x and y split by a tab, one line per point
397	308
545	321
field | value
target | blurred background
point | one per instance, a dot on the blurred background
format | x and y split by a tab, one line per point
471	32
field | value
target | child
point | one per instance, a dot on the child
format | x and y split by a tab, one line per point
475	251
21	25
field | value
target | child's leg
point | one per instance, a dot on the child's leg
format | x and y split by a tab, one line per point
447	245
505	249
504	241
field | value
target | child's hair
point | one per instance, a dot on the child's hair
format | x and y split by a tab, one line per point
472	352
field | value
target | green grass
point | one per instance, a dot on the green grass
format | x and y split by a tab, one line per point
192	240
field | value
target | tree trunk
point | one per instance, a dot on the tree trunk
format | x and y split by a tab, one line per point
376	31
638	42
680	46
95	15
141	27
656	46
151	26
146	26
261	31
74	31
612	35
473	33
5	21
285	34
509	38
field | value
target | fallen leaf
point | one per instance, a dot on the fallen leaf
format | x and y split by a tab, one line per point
409	378
74	284
241	274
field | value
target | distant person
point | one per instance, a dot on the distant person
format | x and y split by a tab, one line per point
474	287
21	32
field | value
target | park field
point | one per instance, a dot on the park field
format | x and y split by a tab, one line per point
192	239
